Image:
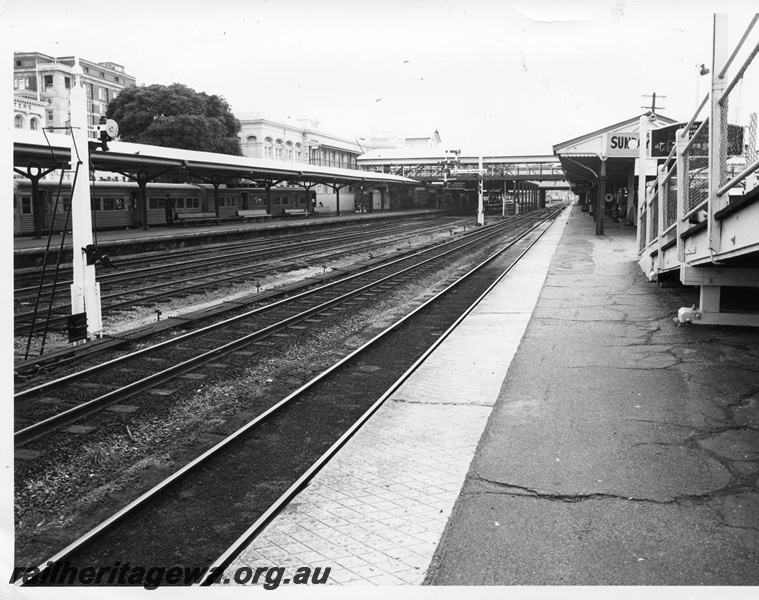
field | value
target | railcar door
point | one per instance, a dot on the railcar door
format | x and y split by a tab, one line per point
134	208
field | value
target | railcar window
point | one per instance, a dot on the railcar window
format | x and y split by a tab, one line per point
94	203
276	200
119	203
193	202
108	204
258	201
26	205
301	200
285	200
179	203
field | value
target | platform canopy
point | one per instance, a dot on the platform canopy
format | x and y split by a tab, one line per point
41	150
618	144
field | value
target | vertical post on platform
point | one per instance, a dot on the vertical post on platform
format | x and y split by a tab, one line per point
85	290
516	197
630	192
480	194
643	129
503	203
601	201
717	141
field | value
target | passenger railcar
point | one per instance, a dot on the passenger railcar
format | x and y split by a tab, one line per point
115	205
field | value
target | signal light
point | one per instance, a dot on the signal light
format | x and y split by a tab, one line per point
93	256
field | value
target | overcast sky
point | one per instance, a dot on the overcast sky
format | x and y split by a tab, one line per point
509	75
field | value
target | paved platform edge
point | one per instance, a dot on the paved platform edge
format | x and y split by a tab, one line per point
376	512
623	449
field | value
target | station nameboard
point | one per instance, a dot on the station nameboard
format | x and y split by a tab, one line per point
621	144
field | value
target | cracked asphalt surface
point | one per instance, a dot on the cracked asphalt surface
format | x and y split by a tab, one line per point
623	449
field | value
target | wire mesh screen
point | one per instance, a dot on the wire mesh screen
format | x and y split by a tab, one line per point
725	130
697	175
670	200
654	219
643	236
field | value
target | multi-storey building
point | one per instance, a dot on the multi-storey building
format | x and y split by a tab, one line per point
296	141
302	141
28	112
47	80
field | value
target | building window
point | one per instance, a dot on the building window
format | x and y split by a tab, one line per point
48	82
50	116
267	147
67	82
34	124
18	122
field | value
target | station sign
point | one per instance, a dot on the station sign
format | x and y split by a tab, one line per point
663	140
622	144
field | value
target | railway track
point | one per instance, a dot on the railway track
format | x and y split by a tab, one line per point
164	363
220	267
193	517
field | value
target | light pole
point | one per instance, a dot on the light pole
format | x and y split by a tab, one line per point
702	70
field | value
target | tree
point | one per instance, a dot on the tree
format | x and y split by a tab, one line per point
175	116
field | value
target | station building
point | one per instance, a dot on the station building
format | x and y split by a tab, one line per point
303	141
44	81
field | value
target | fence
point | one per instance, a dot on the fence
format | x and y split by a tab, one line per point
707	167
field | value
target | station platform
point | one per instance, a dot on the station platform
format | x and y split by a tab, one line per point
569	432
28	250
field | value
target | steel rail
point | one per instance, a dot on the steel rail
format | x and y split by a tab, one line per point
149	495
234	274
41	428
254	247
221	563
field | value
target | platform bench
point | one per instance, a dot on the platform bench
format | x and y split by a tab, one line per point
254	213
197	218
295	212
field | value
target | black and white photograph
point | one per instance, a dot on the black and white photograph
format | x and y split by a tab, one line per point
406	297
